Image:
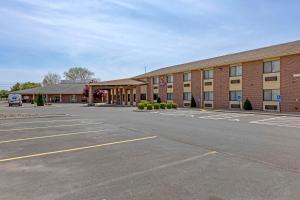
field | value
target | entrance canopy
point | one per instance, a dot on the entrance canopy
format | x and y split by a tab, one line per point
121	91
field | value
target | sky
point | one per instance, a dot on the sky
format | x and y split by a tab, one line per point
119	38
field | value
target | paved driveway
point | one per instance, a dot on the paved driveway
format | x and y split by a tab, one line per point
115	153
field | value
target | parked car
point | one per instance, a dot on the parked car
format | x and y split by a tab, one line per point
14	99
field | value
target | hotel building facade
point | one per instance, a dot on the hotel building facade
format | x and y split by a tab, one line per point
268	77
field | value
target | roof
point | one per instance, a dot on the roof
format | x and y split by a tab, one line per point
246	56
120	82
54	89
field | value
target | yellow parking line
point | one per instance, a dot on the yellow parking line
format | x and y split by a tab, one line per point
48	136
75	149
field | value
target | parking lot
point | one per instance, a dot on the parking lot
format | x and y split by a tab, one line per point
77	152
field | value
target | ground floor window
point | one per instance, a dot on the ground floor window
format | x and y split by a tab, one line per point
155	96
169	96
128	97
235	95
271	95
208	96
134	97
187	96
143	96
56	99
73	98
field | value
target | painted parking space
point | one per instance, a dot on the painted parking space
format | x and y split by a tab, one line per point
283	121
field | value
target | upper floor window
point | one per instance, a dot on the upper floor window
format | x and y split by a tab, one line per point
187	76
272	66
170	79
236	71
209	74
155	80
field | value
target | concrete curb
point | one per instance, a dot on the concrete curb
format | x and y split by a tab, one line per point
42	116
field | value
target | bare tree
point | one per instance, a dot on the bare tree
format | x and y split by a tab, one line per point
51	79
78	73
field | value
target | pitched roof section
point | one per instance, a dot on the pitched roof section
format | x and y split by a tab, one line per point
54	89
120	82
246	56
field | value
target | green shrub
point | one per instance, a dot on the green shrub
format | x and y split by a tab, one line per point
174	105
193	103
149	107
32	101
163	105
156	106
247	105
145	102
158	100
141	106
169	105
40	100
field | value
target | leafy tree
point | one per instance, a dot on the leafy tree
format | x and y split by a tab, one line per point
24	86
40	100
16	87
51	79
3	93
247	105
158	100
193	103
78	73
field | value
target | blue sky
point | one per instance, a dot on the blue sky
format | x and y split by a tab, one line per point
118	38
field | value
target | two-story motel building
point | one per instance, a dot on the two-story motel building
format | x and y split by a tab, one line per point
269	77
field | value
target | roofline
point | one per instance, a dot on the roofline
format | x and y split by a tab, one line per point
158	72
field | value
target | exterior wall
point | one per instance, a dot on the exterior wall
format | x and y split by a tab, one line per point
196	86
163	88
221	87
138	94
149	90
253	83
290	85
178	88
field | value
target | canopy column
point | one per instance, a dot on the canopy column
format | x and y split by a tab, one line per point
91	96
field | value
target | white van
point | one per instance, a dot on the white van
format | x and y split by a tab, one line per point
14	99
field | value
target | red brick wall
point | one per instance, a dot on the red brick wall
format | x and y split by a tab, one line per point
138	94
66	98
149	90
289	85
162	90
178	88
221	87
253	83
196	86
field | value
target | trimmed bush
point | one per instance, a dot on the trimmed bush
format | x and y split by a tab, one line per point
174	105
169	105
193	103
156	106
149	107
247	105
40	100
141	106
145	102
163	105
158	100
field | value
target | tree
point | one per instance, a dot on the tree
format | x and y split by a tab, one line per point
40	100
51	79
3	94
78	73
193	103
247	105
24	86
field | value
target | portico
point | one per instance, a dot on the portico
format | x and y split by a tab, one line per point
120	92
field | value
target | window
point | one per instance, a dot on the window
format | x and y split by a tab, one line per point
128	97
187	96
208	96
187	76
155	96
236	71
134	97
209	74
170	79
271	95
143	97
272	66
234	95
169	96
155	80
